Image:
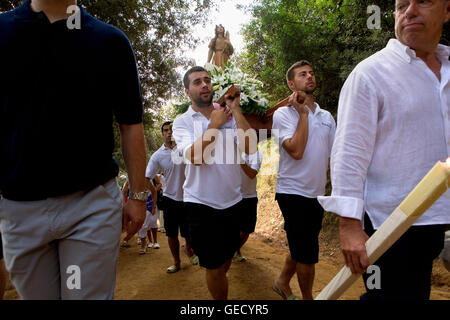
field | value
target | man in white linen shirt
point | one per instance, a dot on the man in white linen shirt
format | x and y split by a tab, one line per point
393	126
212	195
174	212
305	133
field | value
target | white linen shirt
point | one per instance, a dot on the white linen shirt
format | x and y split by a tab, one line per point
306	177
217	185
248	186
393	126
161	161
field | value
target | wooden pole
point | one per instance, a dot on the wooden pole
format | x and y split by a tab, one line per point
234	90
429	189
269	113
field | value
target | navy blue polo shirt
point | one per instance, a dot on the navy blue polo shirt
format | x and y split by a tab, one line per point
59	91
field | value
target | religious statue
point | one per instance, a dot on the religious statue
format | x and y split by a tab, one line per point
220	48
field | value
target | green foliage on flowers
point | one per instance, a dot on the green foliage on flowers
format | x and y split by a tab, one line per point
253	98
182	108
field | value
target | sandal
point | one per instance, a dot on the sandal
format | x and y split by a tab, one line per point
142	250
125	244
282	294
194	259
173	269
240	258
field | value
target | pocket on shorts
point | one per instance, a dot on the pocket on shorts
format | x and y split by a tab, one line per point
112	190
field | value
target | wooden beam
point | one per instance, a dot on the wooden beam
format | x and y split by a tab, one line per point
234	91
429	189
269	113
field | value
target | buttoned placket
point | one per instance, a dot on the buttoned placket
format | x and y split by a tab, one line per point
445	104
411	58
439	89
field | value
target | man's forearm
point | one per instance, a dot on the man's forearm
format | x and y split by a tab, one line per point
133	149
246	130
249	172
195	152
297	144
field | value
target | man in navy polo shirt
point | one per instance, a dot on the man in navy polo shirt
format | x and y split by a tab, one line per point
60	217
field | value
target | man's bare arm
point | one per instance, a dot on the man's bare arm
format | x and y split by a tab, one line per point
158	183
249	172
196	151
133	149
296	145
353	244
248	141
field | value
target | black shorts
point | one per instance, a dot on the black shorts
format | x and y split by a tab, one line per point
247	215
302	222
406	267
214	233
175	218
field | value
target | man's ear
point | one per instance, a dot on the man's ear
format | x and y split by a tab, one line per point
291	85
187	92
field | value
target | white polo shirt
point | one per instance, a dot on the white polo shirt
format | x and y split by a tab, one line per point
248	186
393	126
161	161
215	185
306	177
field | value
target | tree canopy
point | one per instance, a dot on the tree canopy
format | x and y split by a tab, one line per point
157	30
333	35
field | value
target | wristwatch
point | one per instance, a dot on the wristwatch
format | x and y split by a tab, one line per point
142	196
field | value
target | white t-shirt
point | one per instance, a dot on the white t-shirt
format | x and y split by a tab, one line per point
174	176
248	186
393	126
306	177
217	185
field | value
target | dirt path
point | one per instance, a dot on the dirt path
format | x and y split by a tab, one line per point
144	277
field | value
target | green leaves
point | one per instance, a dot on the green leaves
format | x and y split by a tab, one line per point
332	35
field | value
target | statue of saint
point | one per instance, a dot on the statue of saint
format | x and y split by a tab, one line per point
220	48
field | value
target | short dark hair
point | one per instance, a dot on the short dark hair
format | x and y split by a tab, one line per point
165	124
298	64
192	70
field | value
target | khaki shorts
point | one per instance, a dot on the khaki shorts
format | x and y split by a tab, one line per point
64	247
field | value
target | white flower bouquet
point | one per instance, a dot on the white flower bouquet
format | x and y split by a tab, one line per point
253	99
